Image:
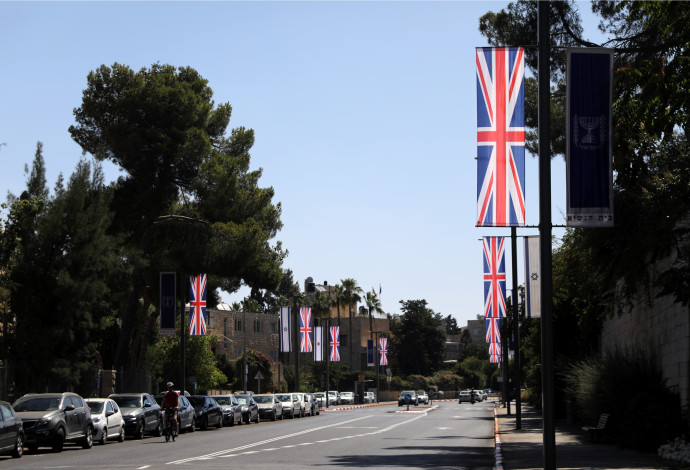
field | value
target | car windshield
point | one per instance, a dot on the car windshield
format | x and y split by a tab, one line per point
260	399
404	392
284	397
242	400
128	402
37	404
96	406
346	394
319	395
332	393
196	401
421	392
224	401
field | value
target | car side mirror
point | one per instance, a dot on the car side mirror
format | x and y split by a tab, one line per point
69	408
147	405
109	413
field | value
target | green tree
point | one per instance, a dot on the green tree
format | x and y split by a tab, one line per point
373	303
187	200
417	342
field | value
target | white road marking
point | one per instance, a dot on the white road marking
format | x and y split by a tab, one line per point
233	452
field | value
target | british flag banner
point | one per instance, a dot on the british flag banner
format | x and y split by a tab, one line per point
494	277
495	349
305	330
493	330
500	136
383	348
335	343
495	359
197	305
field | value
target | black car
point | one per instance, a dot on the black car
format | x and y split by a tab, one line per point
50	419
12	432
250	409
232	410
140	413
208	411
186	416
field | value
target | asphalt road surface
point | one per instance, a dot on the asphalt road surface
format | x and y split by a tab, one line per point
443	436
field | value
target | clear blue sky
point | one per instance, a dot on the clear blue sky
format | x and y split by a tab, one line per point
364	116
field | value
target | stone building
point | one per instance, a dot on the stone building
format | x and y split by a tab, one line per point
235	330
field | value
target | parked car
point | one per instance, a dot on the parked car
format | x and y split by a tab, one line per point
302	405
232	410
369	397
186	416
436	394
269	407
320	398
250	410
141	414
422	396
290	404
347	398
465	396
485	394
50	419
12	435
408	397
207	411
333	398
315	406
107	420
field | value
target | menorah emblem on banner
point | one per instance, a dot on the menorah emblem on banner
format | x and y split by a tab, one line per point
589	124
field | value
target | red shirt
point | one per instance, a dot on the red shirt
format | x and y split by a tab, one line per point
171	399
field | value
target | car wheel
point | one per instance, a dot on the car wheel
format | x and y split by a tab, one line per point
104	437
121	437
158	432
204	423
58	440
87	443
281	416
257	418
220	422
232	420
139	432
18	447
274	417
292	415
192	425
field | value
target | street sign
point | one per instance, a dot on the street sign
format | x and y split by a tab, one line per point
259	376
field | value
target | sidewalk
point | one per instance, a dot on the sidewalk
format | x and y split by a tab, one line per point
523	449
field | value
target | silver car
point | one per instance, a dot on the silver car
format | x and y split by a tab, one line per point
303	410
290	404
107	420
269	407
347	398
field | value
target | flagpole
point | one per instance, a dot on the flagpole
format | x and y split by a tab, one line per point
183	325
516	330
544	121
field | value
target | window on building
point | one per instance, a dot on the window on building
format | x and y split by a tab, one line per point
273	327
238	325
257	326
343	340
225	332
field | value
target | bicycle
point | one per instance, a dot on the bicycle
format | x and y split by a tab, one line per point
170	428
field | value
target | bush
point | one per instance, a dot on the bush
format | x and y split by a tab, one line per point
630	386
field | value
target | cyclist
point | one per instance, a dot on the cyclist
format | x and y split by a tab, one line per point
171	403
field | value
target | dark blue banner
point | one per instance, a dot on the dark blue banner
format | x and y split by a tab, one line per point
167	303
370	352
588	137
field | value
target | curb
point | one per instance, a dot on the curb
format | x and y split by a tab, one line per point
497	439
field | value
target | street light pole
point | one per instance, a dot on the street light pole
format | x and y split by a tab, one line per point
244	328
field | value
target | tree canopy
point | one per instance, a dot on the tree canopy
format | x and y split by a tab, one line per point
418	343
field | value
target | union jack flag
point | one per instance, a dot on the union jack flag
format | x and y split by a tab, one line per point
494	277
495	349
335	343
197	305
495	359
305	330
383	347
493	330
500	136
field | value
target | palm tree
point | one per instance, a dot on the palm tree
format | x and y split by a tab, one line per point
351	296
339	293
373	303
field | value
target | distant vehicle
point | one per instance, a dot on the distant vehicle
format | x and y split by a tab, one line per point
347	398
320	398
465	396
50	419
207	411
369	397
408	397
422	397
250	410
302	405
478	395
107	420
436	394
232	410
269	407
290	404
141	414
333	398
186	416
315	406
12	441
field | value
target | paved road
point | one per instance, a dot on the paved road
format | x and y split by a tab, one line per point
441	437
